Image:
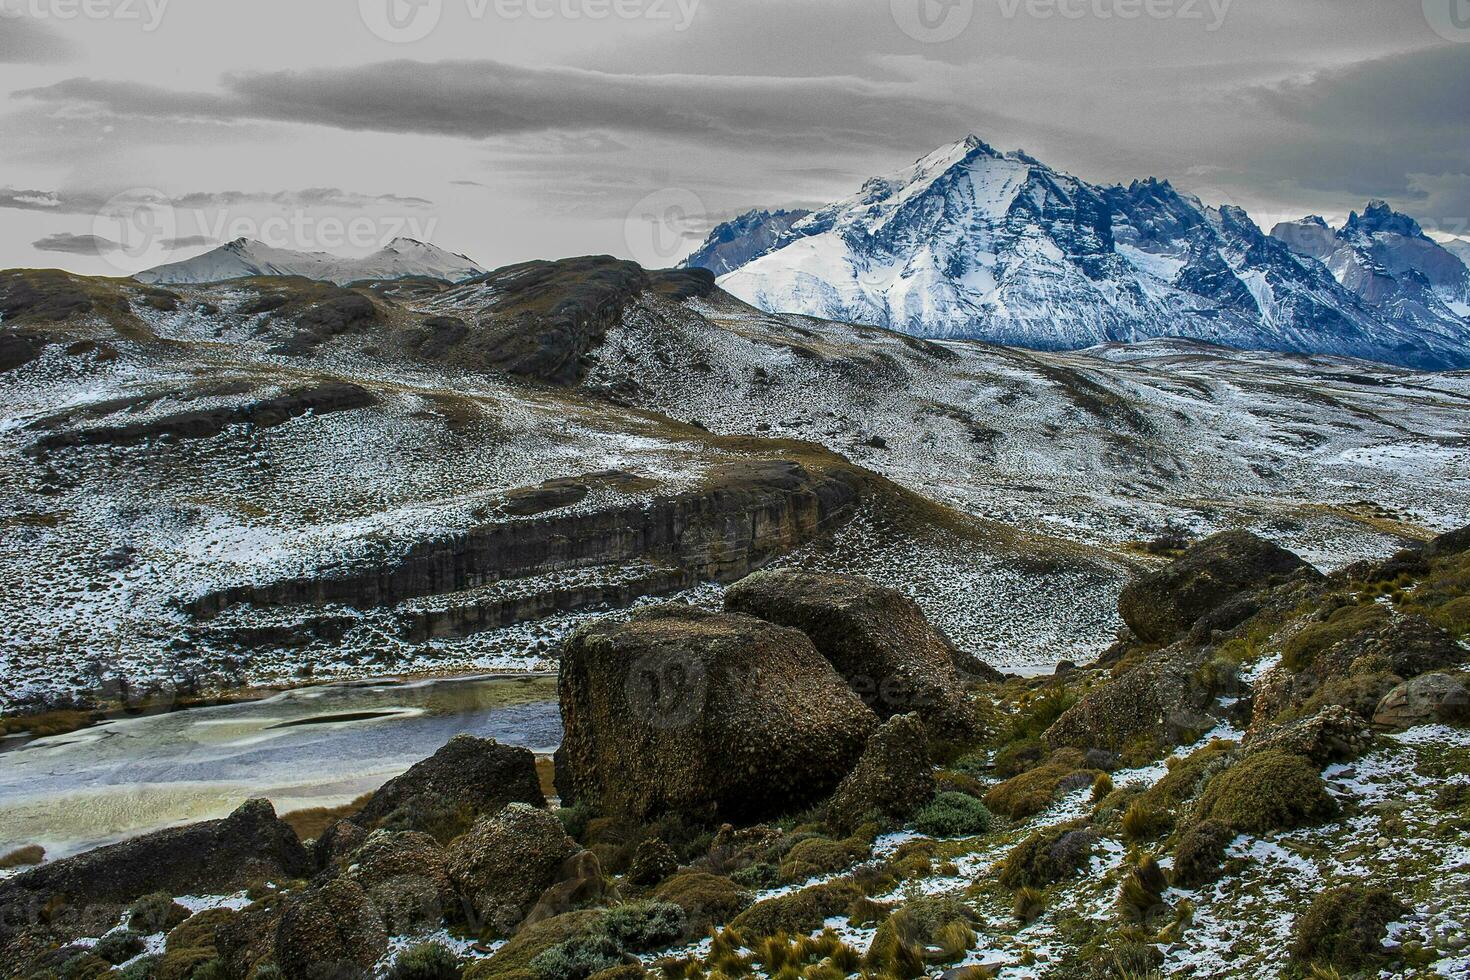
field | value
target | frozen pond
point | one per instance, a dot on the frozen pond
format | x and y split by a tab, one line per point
319	746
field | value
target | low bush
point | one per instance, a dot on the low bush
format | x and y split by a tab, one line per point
1315	639
817	856
1048	856
156	913
577	958
1269	791
120	945
802	911
23	857
1345	927
1199	857
641	927
426	961
1145	820
953	815
707	900
1035	790
1029	906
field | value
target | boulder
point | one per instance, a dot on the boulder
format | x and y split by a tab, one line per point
1334	734
652	863
503	865
1161	607
337	843
330	933
876	637
468	777
891	779
681	710
579	885
1160	698
1426	700
405	876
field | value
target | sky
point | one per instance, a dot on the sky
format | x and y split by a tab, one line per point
137	131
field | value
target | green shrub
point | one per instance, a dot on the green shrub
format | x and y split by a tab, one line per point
798	912
1199	857
1311	641
1035	716
1102	787
1345	926
574	820
641	927
85	966
156	913
1145	820
817	856
120	945
757	876
577	958
944	924
953	815
426	961
146	968
707	900
1016	757
1141	895
1269	791
1029	906
1047	856
1035	790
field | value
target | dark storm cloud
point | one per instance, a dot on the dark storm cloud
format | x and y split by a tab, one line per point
76	244
481	99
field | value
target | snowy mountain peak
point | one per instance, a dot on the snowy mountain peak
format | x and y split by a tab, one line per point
971	242
1378	217
244	258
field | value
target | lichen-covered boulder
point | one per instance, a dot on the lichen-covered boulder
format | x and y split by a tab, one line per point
468	777
1161	607
506	861
330	933
405	876
579	884
1425	700
337	842
1334	734
891	779
652	863
876	637
680	710
1161	698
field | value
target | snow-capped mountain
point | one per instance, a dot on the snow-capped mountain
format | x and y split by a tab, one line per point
971	242
243	258
747	237
1386	258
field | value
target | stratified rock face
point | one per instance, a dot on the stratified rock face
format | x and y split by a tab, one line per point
503	865
1159	698
682	710
332	931
1161	607
213	857
876	637
745	513
893	777
1426	700
478	774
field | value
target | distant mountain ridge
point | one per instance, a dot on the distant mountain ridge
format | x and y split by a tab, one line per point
971	242
244	258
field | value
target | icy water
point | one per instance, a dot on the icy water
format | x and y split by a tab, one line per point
319	746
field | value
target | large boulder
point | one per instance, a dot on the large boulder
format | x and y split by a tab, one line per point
1160	698
891	780
504	864
405	876
1426	700
330	933
1214	574
468	777
681	710
1334	734
876	637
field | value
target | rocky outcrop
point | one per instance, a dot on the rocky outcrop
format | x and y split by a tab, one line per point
682	710
331	931
876	637
745	513
579	884
506	862
891	779
1333	734
405	877
1208	580
206	423
473	776
1426	700
1160	698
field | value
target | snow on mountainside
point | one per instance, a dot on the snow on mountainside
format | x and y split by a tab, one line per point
1386	258
244	258
970	242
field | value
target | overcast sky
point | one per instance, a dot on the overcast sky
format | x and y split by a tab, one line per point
516	129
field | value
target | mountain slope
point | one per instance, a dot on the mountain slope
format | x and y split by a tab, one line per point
970	242
243	258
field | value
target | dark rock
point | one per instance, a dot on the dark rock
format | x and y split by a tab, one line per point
1425	700
504	864
652	863
18	349
552	495
469	776
893	777
876	637
1333	734
692	712
337	843
1449	543
330	933
405	877
41	295
1163	605
1102	760
1160	698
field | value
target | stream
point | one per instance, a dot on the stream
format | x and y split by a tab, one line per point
309	747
